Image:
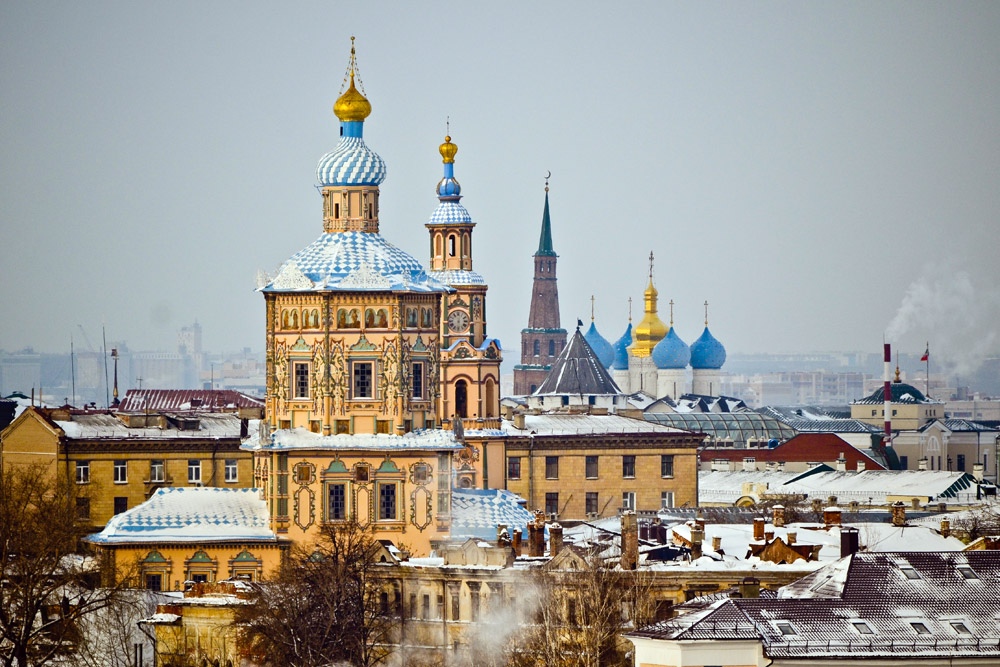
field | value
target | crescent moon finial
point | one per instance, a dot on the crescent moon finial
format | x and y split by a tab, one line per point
547	177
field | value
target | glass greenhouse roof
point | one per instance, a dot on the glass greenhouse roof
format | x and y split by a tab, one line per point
737	427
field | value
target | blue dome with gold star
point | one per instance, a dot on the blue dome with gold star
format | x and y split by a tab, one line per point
671	351
621	350
601	347
707	352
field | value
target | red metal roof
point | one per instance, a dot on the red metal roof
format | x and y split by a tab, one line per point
187	400
803	447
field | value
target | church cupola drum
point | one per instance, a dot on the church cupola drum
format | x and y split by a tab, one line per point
543	339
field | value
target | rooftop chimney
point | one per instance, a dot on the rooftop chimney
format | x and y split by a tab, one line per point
749	587
977	471
849	542
779	516
697	537
842	463
519	421
945	528
915	503
758	529
749	464
790	537
629	540
861	465
898	513
555	538
516	542
716	543
831	516
922	464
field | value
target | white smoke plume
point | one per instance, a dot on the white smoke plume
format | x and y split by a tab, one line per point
959	318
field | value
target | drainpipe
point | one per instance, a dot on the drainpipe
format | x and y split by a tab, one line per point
531	473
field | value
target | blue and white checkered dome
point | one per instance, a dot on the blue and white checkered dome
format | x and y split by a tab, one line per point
601	347
353	260
671	351
457	278
707	352
351	163
450	213
621	350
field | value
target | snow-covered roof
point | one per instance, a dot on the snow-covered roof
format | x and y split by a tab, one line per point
476	513
300	438
191	514
106	426
577	424
187	400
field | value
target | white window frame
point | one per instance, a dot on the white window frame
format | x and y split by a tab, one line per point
858	625
194	465
666	499
778	626
121	478
83	472
628	500
157	465
232	466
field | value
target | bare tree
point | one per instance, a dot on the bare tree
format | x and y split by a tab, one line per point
328	605
979	522
47	586
108	636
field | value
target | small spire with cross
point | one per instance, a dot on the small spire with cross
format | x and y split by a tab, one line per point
671	313
591	307
706	313
630	309
650	266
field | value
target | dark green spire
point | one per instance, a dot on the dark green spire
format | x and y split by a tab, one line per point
545	240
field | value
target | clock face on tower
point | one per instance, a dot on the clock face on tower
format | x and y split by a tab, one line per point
458	320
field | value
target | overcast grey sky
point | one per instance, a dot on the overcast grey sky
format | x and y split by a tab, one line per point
808	168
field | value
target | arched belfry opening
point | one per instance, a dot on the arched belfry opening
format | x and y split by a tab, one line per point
462	399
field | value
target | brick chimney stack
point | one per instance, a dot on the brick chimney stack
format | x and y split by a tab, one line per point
629	540
831	516
898	513
697	538
555	539
945	528
716	543
749	587
758	529
779	516
516	542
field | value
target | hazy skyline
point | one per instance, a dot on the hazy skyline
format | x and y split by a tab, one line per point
820	173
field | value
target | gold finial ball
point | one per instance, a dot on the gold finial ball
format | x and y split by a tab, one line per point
352	105
448	150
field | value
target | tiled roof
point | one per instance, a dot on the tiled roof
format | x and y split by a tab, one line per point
351	163
578	370
450	213
899	392
870	588
187	400
191	515
457	277
803	447
477	513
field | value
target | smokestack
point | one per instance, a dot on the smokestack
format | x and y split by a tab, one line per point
849	542
898	513
750	587
779	516
629	540
887	390
555	539
758	529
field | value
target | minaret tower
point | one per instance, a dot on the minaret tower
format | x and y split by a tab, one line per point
543	339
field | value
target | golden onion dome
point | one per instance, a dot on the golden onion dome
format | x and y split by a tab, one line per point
651	329
448	150
352	105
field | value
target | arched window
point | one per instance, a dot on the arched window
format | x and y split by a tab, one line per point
552	348
336	210
538	349
488	410
451	245
437	245
462	399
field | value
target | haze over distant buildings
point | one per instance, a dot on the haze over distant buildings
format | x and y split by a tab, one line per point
821	174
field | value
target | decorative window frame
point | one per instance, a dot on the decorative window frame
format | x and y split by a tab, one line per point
246	566
201	563
155	563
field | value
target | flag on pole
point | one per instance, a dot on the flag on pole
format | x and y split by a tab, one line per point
927	353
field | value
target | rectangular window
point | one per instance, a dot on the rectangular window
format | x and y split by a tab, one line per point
666	498
418	380
862	627
628	465
337	502
83	508
455	609
591	467
232	474
425	606
121	472
514	467
967	572
363	379
961	462
83	472
121	504
592	502
909	572
628	500
786	628
551	467
194	471
387	501
156	471
300	379
666	465
904	463
154	582
960	628
920	628
551	503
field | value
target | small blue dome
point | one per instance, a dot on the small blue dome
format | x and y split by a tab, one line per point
602	348
351	163
621	350
672	352
706	352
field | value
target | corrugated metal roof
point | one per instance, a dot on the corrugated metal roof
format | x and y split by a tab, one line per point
575	424
187	400
105	426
